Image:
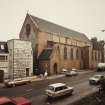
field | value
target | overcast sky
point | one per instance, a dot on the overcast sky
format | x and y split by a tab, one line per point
85	16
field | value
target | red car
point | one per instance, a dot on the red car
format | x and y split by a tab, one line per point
14	101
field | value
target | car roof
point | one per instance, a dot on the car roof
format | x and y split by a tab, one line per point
98	75
57	84
4	100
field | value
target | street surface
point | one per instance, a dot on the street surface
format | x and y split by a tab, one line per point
35	91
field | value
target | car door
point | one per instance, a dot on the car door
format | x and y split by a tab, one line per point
61	90
66	90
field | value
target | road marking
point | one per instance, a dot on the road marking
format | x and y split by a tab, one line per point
28	90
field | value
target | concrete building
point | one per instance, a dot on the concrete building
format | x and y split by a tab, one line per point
20	58
3	61
56	47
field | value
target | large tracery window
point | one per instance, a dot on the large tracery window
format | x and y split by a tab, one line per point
58	49
72	57
96	56
77	54
65	53
28	29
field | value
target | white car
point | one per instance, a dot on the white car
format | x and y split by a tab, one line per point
64	71
58	89
11	83
71	73
101	67
96	79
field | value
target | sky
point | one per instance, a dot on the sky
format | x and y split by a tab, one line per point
85	16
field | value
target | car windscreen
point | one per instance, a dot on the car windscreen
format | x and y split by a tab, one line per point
97	76
51	88
60	88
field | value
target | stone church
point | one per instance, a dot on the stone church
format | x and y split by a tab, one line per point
56	47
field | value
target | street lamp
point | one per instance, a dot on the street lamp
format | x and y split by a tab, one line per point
103	30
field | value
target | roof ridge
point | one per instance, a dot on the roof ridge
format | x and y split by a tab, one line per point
55	24
50	27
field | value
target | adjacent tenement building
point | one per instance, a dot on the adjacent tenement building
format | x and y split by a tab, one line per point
56	47
3	60
20	58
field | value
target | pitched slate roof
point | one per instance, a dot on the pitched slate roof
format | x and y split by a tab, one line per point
45	55
50	27
3	47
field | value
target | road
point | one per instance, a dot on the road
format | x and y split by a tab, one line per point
35	90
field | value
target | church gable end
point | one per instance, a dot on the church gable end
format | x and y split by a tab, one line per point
28	30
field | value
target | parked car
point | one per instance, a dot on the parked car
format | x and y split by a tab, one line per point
11	83
74	69
100	67
96	79
71	73
15	101
58	89
64	71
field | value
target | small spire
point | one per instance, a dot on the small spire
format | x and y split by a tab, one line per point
27	11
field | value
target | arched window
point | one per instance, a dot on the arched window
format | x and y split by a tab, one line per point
92	55
72	54
28	29
58	49
95	55
82	54
65	53
98	56
77	53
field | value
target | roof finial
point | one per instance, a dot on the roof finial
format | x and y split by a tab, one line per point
27	11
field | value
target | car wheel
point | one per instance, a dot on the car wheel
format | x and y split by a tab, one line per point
90	82
71	93
49	97
13	85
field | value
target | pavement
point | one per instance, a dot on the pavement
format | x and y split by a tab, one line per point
39	78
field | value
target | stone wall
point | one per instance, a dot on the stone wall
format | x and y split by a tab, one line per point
20	58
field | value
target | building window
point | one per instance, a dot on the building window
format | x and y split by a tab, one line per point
2	47
99	56
50	44
72	54
28	29
82	54
6	58
65	53
92	56
77	53
2	58
58	49
95	55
